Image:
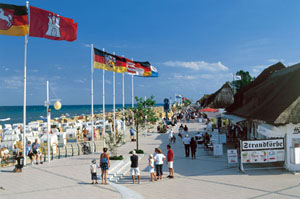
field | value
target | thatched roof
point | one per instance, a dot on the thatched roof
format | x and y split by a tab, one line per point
239	96
222	98
203	99
274	98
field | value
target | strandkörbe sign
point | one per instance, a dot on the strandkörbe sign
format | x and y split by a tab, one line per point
262	144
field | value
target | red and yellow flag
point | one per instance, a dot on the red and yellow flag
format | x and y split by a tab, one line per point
13	20
107	61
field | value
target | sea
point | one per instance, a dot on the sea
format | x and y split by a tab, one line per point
15	113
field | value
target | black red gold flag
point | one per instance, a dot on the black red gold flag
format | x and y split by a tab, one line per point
13	20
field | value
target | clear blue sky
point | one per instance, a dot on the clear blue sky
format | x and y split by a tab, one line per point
196	45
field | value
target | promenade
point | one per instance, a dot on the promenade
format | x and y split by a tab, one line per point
205	177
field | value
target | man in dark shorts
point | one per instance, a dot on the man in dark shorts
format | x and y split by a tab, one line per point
134	170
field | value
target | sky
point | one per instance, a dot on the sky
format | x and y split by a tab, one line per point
196	45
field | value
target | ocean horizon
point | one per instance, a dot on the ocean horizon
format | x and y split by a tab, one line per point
37	112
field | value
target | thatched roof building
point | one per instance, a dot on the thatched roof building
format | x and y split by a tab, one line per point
274	97
222	98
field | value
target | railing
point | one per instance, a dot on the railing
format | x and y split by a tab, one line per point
59	152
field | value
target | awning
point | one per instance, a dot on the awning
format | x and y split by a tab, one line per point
270	131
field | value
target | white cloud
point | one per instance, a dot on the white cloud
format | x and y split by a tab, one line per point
275	60
256	70
14	82
188	77
81	81
197	65
213	77
87	45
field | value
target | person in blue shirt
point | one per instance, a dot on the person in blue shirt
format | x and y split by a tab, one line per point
131	134
29	152
36	149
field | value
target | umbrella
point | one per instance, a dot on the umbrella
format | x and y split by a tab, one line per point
209	110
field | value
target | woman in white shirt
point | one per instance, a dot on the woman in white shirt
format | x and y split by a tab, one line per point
159	161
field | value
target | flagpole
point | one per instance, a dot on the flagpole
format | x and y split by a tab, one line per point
24	106
132	100
114	103
132	92
123	103
92	91
103	103
48	120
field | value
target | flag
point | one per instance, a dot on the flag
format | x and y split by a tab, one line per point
13	20
107	61
145	69
130	65
49	25
238	77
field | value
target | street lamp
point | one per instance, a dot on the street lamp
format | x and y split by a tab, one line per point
57	106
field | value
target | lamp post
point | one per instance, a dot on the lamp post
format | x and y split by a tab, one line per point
57	106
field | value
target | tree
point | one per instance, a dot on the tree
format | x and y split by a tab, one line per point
243	81
186	102
113	143
143	113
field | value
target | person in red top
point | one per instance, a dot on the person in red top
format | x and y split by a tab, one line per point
170	157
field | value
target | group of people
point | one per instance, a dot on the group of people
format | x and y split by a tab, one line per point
104	165
155	164
34	150
183	130
190	144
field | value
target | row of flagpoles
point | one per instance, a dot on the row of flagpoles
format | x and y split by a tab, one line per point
49	25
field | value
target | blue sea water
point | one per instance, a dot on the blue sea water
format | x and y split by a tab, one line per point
35	112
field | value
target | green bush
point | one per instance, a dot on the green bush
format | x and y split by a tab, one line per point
120	157
140	151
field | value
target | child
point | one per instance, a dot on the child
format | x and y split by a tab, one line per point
94	172
151	167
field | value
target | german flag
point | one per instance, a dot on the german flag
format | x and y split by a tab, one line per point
107	61
13	20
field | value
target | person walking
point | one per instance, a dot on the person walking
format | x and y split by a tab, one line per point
104	165
186	129
159	160
193	145
171	135
134	170
131	134
180	133
186	141
170	157
151	168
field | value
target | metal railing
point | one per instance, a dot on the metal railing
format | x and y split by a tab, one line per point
59	152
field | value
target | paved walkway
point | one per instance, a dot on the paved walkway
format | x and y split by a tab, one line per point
205	177
210	177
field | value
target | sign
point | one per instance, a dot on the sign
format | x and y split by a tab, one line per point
222	138
254	156
272	156
262	144
232	156
263	156
218	149
280	155
245	157
296	130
